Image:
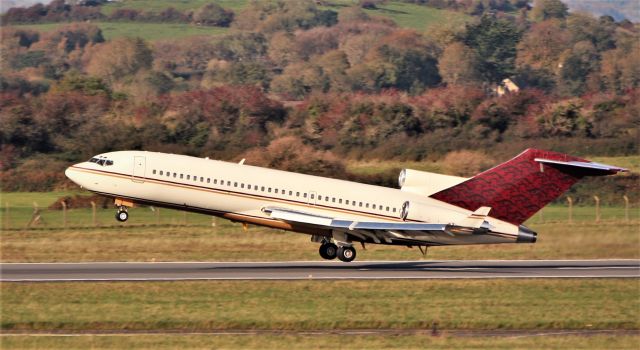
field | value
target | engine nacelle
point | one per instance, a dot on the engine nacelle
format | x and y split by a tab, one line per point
415	211
426	183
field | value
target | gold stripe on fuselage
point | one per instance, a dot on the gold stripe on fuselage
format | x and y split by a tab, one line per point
239	194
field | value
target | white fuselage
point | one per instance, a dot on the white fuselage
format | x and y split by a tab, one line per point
240	192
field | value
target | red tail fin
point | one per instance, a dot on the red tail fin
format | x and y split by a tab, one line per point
518	188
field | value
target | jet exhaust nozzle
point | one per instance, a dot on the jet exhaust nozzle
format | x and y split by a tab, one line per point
526	235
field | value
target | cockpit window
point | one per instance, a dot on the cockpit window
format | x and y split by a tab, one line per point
101	161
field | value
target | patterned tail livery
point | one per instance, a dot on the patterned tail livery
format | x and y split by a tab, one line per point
518	188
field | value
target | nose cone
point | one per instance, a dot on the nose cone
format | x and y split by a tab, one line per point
72	174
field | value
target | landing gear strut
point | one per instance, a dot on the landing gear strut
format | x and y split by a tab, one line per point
328	251
122	215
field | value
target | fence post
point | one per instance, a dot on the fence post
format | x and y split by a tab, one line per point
6	216
570	200
626	207
597	199
64	214
93	214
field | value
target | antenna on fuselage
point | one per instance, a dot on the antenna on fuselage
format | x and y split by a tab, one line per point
242	161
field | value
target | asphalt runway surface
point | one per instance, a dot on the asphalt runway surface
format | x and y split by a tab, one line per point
324	270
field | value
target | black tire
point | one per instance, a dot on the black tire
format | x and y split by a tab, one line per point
346	254
328	251
122	216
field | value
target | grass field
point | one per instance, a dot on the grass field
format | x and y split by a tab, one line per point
170	235
420	18
308	305
180	5
147	31
325	341
228	242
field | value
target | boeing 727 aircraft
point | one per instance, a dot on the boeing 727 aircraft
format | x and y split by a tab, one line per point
428	210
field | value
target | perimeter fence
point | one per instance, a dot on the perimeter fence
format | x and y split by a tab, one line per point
34	217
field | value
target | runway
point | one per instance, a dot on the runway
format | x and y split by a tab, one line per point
308	270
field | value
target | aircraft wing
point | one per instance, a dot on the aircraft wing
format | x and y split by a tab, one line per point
376	231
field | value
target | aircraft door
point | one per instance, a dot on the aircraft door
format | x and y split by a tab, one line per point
138	169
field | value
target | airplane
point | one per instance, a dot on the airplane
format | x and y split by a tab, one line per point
427	210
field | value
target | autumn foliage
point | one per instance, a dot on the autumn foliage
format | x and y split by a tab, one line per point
296	86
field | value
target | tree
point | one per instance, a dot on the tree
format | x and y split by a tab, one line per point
459	65
578	64
119	58
212	14
542	46
494	40
547	9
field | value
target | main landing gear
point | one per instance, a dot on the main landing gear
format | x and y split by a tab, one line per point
122	215
330	251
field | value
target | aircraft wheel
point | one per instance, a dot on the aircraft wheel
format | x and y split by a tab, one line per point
328	251
122	216
346	253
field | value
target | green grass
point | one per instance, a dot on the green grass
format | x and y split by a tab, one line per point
180	5
228	242
630	162
420	18
307	305
325	341
147	31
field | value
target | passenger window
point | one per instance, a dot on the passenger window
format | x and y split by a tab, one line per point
241	185
313	196
168	174
346	202
360	204
291	193
276	190
319	197
374	206
297	194
394	210
304	195
229	183
235	184
215	181
340	200
262	189
387	208
188	177
201	179
208	180
154	172
333	199
182	176
175	174
269	189
367	205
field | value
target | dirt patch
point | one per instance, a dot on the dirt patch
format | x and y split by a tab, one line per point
79	201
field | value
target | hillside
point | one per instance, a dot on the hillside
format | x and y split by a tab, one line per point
316	86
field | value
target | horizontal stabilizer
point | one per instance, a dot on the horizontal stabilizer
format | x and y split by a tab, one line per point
583	168
476	219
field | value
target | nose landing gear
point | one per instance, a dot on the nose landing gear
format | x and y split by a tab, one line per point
122	215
